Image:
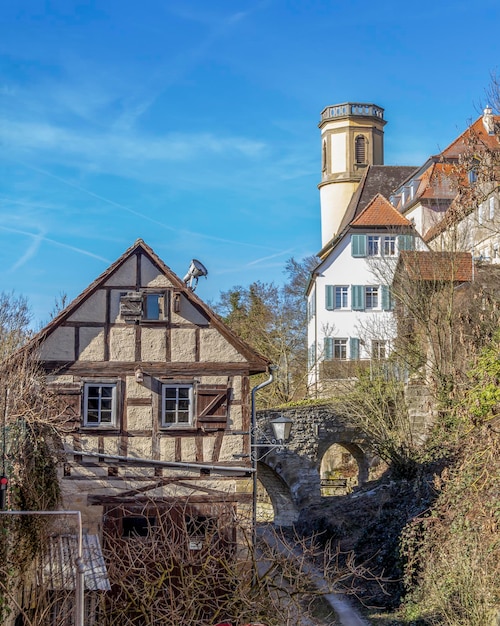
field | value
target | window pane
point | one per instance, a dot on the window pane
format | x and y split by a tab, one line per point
389	246
99	404
373	245
153	306
177	405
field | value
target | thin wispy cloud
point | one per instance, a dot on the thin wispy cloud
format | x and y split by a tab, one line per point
30	252
268	258
42	238
141	214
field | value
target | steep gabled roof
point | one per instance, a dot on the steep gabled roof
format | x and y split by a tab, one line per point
378	179
380	213
476	131
430	266
257	362
381	179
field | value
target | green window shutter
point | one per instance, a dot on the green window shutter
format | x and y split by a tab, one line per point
328	347
387	301
329	298
358	245
357	297
406	242
354	348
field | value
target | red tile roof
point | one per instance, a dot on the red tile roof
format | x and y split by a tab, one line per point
476	131
436	266
380	212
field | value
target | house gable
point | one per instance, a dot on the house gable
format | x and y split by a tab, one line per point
111	322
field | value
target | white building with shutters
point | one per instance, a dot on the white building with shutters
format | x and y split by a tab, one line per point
350	315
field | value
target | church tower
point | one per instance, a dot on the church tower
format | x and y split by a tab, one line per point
352	138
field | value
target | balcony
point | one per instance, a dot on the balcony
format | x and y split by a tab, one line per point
352	108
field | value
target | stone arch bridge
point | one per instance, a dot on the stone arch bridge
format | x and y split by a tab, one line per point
292	477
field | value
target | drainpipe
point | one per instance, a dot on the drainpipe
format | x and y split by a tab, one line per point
253	449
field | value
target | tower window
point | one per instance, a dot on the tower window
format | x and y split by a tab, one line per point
360	149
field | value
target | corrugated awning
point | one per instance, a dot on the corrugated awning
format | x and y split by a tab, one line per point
58	571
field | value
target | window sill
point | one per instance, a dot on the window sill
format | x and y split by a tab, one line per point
110	430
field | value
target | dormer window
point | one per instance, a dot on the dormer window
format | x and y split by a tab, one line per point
360	150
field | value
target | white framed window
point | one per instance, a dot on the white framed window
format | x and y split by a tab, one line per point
99	405
340	349
177	402
379	349
371	297
373	245
492	207
341	297
390	245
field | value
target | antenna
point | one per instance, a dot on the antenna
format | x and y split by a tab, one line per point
196	269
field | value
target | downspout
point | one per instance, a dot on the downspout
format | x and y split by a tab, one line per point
253	449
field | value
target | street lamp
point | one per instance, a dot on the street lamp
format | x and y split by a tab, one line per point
282	427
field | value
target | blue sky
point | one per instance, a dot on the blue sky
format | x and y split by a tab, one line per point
193	124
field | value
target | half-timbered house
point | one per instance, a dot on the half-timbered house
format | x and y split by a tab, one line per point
154	394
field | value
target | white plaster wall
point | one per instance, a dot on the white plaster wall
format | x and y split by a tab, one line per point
183	345
59	346
140	447
338	153
341	268
91	344
188	447
91	310
114	304
416	214
122	343
334	198
138	390
167	448
153	344
235	417
188	313
151	275
139	417
124	275
215	348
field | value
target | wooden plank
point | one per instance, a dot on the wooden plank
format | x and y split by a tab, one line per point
139	401
121	368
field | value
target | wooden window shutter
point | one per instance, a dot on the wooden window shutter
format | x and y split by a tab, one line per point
68	401
358	245
354	348
329	301
387	301
328	347
358	297
212	405
406	242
